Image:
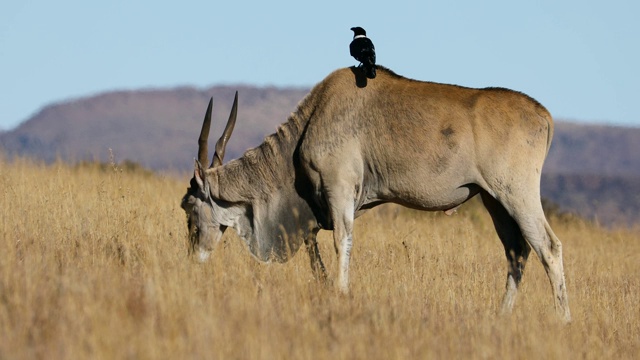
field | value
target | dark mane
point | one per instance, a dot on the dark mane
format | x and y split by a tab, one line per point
391	72
271	163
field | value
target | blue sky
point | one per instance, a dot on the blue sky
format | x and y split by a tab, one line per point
579	58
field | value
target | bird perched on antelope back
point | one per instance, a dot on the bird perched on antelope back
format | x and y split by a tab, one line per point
362	49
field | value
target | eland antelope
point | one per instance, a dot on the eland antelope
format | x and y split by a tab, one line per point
353	144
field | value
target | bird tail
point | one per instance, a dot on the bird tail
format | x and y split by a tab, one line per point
370	69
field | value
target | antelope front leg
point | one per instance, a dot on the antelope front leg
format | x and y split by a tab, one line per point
317	267
343	217
344	254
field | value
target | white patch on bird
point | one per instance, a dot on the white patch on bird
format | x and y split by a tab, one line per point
359	36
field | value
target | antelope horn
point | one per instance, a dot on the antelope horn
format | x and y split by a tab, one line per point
218	156
203	149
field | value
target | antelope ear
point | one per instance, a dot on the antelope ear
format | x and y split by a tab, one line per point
199	174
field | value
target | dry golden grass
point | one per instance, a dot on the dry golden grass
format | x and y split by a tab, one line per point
93	265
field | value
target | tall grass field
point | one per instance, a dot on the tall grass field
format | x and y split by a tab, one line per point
94	265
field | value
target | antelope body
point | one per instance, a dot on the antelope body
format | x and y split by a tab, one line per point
355	143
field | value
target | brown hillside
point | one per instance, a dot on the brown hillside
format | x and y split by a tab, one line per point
611	200
156	128
594	149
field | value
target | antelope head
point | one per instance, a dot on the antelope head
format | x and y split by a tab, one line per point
207	216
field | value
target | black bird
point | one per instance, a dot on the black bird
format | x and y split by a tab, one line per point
362	49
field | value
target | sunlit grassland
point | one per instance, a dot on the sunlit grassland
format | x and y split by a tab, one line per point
93	264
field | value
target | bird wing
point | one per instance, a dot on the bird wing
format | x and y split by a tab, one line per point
362	48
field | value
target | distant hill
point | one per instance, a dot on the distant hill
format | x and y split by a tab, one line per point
595	150
156	128
609	199
593	170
